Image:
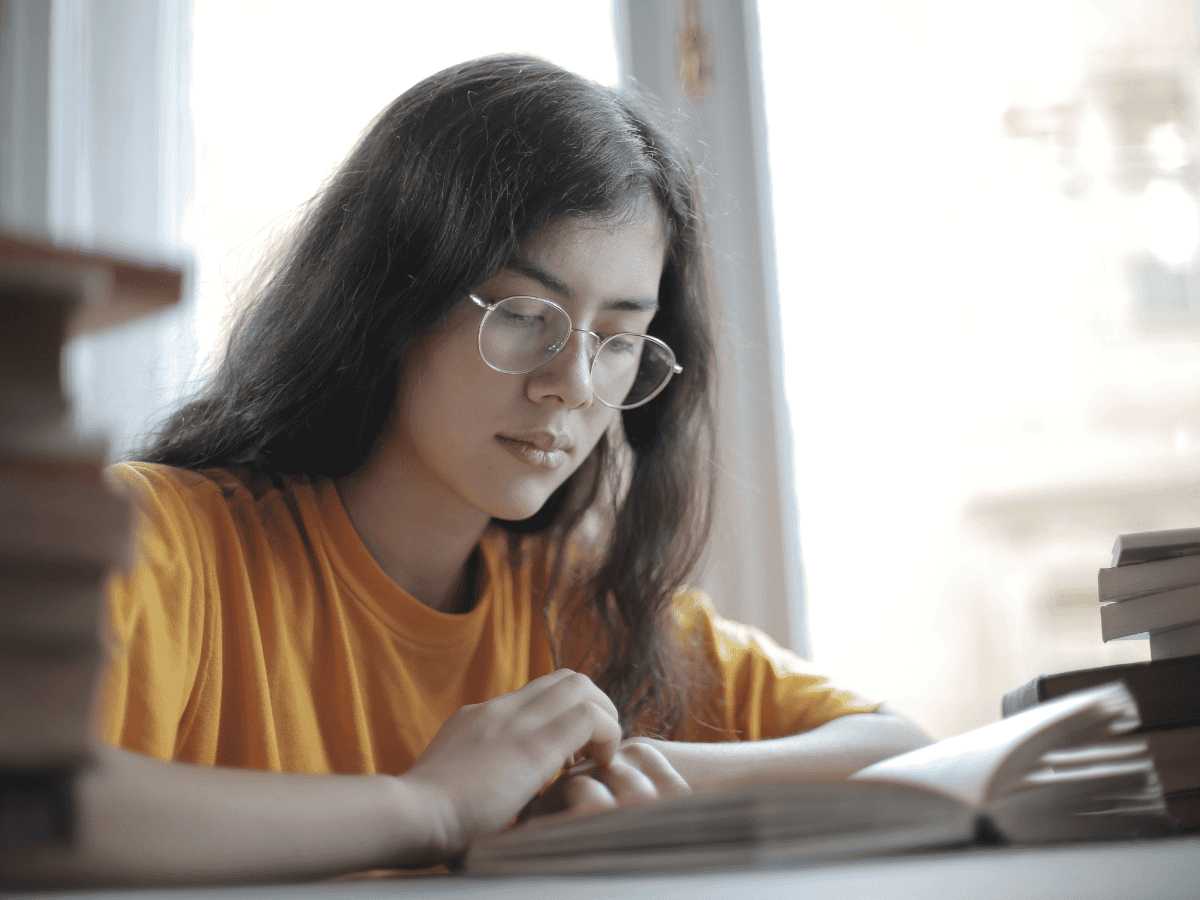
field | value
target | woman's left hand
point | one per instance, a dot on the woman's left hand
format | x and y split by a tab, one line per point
637	774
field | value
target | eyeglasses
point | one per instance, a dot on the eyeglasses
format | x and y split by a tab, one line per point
521	334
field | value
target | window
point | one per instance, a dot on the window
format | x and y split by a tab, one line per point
987	233
282	90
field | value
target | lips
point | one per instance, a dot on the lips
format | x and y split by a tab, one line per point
546	441
542	449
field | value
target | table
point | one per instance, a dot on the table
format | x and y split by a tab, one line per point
1166	869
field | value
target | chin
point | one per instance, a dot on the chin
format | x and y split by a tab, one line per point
519	505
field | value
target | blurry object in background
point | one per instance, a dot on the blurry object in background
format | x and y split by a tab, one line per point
96	152
1130	124
108	293
988	223
694	53
61	528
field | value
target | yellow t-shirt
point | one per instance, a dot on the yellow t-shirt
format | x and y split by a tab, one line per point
255	630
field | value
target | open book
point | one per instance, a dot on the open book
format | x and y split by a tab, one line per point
1060	771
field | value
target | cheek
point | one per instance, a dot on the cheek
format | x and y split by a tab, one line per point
607	420
449	394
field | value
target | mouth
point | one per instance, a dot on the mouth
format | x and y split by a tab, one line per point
544	451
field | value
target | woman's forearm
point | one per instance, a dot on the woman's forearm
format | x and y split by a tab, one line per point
834	750
141	820
144	820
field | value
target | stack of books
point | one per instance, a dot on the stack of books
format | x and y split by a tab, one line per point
61	528
1151	590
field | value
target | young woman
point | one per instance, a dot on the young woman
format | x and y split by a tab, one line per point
423	540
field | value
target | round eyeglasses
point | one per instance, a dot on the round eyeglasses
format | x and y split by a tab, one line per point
520	334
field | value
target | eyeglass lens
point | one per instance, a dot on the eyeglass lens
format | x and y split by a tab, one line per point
522	333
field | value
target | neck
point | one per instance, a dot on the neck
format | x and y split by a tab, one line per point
421	539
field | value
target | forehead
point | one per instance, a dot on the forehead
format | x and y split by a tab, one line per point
643	221
574	257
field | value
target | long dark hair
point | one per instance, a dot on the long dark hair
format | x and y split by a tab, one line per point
448	184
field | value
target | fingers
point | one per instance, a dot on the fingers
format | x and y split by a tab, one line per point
603	751
653	765
562	683
627	784
640	773
573	713
586	793
585	726
488	759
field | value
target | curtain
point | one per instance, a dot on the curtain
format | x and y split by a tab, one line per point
703	60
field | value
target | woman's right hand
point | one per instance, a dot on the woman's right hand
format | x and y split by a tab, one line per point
489	759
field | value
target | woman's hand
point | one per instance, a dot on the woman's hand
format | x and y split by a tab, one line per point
638	773
489	759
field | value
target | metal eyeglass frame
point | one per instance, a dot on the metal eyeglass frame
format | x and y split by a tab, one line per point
601	341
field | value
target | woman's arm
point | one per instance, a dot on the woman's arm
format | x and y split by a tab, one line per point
646	768
144	820
832	751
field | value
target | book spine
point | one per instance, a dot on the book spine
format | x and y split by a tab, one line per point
1184	808
50	615
61	527
45	705
1127	582
58	519
1025	697
1143	546
1176	642
1155	685
1176	753
1151	613
37	808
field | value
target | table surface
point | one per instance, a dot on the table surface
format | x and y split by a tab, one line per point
1146	870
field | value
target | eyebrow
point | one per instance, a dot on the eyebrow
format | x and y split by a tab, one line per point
552	283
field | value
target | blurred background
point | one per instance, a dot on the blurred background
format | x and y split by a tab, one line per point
956	256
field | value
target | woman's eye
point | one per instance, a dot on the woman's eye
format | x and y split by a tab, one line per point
508	317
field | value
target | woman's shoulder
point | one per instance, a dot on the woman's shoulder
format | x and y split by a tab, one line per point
154	479
692	608
159	491
699	623
172	484
185	519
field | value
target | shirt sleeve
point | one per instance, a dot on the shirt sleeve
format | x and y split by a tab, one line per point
156	618
748	687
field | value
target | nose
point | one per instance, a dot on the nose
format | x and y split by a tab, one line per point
568	376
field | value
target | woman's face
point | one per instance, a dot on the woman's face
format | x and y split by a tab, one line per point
501	444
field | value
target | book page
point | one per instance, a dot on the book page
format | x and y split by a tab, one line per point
790	821
989	761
